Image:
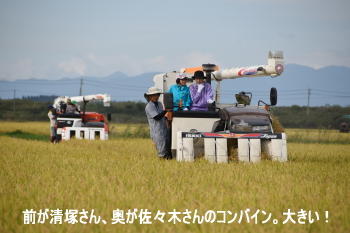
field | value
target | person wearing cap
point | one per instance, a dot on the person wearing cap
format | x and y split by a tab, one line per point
61	108
181	94
53	124
201	93
157	123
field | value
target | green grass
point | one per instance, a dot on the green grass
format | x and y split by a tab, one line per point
124	173
25	135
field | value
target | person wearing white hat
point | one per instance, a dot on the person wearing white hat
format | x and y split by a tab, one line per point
181	94
72	107
157	123
52	114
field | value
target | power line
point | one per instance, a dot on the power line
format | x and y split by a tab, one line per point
332	91
338	96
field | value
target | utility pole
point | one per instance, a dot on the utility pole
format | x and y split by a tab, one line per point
81	87
14	100
308	101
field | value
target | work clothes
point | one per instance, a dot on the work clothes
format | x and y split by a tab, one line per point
53	118
181	94
71	108
53	123
157	125
201	95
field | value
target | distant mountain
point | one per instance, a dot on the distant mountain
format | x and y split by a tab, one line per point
328	85
119	85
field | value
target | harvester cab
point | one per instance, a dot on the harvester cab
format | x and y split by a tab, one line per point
238	127
79	123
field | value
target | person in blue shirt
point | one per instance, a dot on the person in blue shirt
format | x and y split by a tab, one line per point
181	94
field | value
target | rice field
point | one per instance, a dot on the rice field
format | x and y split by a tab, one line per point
124	173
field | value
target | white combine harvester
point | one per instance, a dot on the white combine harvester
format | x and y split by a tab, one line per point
237	127
82	124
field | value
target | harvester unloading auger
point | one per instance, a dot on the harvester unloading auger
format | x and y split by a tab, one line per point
245	129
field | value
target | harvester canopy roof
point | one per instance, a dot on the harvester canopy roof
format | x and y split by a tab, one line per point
246	110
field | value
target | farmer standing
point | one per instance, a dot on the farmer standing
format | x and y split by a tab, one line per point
53	124
157	122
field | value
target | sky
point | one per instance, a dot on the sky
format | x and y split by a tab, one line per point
52	39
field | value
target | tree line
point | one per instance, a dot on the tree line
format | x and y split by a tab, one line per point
27	109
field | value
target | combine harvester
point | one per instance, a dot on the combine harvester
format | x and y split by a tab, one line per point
237	127
82	124
344	126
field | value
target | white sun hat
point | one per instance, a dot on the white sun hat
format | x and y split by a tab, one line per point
153	91
182	76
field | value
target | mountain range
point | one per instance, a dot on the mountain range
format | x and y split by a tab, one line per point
298	85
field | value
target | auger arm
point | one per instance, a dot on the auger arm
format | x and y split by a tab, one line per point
106	98
274	68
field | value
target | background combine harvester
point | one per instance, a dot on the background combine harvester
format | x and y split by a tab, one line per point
344	125
236	127
82	124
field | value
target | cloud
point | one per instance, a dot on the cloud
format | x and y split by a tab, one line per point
198	58
156	61
101	65
20	69
74	66
318	59
91	57
104	65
